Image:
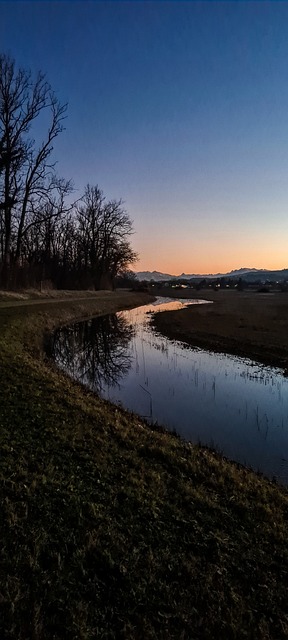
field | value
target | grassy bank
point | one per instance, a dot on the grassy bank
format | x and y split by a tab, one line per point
243	323
112	530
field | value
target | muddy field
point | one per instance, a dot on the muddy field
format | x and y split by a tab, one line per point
243	323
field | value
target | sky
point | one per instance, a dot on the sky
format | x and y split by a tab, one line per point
180	109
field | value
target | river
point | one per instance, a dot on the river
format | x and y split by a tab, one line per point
232	404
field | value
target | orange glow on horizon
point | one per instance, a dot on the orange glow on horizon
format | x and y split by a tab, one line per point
211	255
223	248
205	266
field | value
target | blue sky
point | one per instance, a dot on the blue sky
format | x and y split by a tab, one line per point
181	109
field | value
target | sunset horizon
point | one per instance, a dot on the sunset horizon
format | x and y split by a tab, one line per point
143	319
179	109
214	271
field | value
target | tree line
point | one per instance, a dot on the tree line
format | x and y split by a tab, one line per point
43	237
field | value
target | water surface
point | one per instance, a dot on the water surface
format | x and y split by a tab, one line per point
227	402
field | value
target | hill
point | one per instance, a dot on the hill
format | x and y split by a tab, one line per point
250	274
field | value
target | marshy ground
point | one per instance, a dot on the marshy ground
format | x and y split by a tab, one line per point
113	529
244	323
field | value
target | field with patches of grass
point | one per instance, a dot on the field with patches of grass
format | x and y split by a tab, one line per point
244	323
113	529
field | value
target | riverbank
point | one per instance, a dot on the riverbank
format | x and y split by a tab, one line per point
111	529
248	324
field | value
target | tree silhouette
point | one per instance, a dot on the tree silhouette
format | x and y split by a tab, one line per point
94	352
27	175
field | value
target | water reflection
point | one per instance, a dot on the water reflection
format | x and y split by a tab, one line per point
94	352
239	407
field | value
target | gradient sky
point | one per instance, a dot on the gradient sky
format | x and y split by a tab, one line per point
179	108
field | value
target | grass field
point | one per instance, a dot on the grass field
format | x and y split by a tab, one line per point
244	323
112	529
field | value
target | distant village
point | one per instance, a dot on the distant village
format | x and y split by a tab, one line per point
261	280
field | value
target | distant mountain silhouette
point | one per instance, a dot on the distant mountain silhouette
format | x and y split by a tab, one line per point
248	273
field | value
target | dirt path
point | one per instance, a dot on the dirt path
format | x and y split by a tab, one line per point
11	299
24	303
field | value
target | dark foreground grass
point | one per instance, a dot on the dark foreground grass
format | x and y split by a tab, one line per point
112	530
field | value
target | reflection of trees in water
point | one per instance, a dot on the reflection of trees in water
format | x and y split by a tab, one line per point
95	352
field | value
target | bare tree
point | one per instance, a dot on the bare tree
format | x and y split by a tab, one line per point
27	174
103	232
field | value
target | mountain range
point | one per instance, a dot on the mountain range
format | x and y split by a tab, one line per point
248	273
